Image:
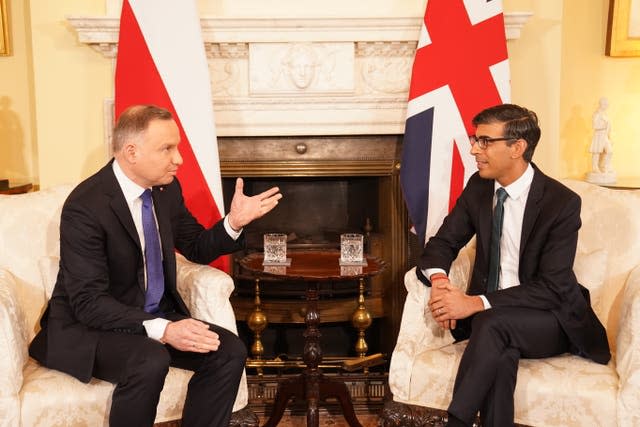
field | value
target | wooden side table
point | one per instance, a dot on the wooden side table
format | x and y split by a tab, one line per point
17	189
314	267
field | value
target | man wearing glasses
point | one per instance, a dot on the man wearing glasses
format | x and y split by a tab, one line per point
523	300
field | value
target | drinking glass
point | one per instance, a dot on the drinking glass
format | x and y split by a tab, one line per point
275	248
351	248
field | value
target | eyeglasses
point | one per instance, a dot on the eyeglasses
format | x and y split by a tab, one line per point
484	141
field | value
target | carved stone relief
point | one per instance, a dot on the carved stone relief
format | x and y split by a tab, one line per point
301	68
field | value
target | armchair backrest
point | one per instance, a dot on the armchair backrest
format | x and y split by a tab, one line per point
29	231
610	223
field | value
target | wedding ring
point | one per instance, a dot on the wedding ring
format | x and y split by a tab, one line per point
439	311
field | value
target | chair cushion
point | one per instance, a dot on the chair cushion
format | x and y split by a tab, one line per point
52	398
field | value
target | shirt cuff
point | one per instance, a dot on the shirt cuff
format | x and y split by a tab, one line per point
230	231
428	272
156	327
485	302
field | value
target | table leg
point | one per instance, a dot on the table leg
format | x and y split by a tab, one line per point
286	390
339	390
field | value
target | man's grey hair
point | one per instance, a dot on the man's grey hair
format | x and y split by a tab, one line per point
134	121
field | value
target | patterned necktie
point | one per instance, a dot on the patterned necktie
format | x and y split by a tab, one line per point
496	234
152	256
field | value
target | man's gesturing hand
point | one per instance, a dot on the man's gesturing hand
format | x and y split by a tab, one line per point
191	335
245	209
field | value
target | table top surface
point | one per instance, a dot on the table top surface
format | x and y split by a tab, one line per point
311	265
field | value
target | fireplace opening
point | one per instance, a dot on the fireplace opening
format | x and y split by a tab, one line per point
313	211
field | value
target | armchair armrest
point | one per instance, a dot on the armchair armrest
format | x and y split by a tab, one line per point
418	330
13	342
627	356
206	291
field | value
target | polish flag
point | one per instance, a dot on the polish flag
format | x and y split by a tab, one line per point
161	61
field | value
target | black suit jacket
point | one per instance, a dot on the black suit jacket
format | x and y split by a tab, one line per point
100	285
547	251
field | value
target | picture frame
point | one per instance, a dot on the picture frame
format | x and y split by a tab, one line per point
5	41
623	29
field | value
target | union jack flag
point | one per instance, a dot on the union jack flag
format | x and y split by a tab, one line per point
460	67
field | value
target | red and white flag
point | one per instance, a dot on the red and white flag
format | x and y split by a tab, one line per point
460	68
161	61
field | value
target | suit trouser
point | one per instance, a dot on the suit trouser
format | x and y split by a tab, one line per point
488	369
138	366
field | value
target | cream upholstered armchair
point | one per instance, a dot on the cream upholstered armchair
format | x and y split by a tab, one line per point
559	391
31	395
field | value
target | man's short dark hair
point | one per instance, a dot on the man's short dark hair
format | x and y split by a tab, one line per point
519	123
135	120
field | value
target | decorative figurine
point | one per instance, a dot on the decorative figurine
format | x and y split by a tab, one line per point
601	147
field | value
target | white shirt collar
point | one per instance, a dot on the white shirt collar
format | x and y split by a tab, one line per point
130	189
520	186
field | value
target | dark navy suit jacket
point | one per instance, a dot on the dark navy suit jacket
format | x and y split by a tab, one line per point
547	251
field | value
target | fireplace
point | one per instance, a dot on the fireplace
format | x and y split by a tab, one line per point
331	185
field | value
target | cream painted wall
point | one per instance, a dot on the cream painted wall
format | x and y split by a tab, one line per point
587	75
557	66
535	62
18	153
70	83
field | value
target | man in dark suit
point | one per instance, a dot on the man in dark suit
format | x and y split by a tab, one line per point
115	312
523	300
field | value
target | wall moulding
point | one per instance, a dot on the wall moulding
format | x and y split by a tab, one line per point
326	76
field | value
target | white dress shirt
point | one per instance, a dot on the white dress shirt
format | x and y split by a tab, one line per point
518	192
155	327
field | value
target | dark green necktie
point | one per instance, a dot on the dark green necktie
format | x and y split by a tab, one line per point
496	233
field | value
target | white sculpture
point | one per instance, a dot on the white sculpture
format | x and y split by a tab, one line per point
601	147
301	62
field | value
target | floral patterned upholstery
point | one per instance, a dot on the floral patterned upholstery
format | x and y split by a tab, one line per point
558	391
31	395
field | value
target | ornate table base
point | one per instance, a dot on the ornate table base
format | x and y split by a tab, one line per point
311	384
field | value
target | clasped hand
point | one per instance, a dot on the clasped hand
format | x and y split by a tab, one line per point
245	209
448	304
